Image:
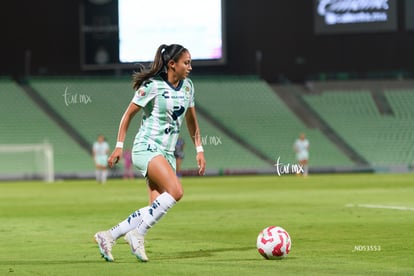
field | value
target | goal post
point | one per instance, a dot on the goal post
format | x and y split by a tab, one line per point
28	161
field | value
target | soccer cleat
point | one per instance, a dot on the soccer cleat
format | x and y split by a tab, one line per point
105	243
136	242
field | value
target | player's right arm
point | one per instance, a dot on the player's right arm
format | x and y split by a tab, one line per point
130	112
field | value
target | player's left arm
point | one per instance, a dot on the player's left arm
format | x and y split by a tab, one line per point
194	130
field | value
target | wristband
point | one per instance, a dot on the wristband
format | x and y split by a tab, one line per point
119	145
199	149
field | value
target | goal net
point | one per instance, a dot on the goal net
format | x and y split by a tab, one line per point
27	161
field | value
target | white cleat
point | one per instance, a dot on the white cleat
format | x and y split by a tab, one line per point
136	242
105	243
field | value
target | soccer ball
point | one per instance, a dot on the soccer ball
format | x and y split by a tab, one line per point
274	242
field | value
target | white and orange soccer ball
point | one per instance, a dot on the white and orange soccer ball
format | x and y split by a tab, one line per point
274	242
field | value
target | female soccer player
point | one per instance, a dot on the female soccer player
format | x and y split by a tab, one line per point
100	152
301	147
166	96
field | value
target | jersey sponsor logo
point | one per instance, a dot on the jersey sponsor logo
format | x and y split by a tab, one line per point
171	130
166	95
178	111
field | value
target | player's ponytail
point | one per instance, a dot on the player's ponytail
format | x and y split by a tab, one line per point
164	54
156	67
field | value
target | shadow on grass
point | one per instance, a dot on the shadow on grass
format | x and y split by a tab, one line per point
48	262
202	253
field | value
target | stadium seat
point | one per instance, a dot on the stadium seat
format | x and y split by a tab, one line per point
23	122
381	139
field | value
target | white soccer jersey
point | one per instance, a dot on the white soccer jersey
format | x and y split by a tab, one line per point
100	149
301	147
164	110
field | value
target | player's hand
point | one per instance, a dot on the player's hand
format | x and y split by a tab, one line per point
114	158
201	162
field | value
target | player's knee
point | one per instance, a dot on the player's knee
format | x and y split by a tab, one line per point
177	193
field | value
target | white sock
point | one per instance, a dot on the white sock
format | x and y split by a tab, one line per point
104	176
129	223
157	210
98	175
305	170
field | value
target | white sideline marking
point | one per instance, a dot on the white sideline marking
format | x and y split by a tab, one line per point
372	206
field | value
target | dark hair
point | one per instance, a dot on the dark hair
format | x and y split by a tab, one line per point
164	54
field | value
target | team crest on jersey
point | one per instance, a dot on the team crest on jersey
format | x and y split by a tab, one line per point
187	92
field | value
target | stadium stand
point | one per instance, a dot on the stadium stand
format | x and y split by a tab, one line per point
401	101
251	109
23	122
383	139
92	106
221	152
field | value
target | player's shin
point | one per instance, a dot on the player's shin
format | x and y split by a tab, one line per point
129	223
98	175
157	210
104	176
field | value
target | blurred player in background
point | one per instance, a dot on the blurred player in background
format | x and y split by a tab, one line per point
166	97
301	147
179	154
100	152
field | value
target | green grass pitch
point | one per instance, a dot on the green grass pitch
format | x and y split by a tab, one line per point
339	225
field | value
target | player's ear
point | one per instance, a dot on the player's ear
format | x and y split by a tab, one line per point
171	64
